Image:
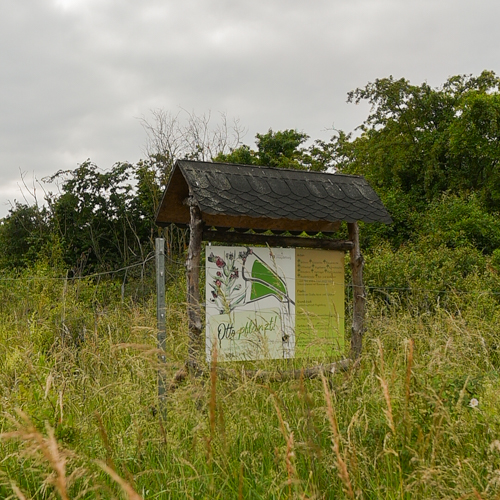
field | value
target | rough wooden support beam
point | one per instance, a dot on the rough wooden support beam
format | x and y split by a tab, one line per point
195	347
275	241
359	298
266	375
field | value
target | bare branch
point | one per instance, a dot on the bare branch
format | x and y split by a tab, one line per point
187	135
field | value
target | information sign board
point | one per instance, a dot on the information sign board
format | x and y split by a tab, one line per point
273	303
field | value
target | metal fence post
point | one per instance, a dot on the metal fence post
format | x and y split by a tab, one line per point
161	322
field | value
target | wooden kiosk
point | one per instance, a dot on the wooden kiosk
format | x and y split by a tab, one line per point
251	205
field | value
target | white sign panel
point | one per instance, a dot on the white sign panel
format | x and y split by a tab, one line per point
250	306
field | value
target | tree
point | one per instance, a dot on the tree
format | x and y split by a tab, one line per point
421	147
187	136
24	233
283	149
424	141
102	220
474	146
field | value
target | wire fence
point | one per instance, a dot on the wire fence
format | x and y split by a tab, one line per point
177	264
79	277
138	280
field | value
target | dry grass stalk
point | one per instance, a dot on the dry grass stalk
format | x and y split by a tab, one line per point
213	390
462	393
47	446
385	390
212	404
106	442
409	368
341	465
146	349
212	412
280	417
125	486
17	491
240	483
352	456
292	473
477	495
60	404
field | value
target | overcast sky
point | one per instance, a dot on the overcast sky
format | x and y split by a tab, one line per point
76	76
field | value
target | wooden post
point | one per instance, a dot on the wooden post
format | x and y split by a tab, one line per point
195	347
161	321
359	298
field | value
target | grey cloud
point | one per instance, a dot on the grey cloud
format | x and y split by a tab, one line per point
76	74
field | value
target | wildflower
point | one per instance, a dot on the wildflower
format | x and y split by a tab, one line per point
219	274
218	283
220	262
474	403
214	295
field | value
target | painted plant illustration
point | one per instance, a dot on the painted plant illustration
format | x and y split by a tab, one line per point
226	293
260	280
250	305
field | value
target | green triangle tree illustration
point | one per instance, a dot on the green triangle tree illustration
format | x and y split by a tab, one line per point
266	282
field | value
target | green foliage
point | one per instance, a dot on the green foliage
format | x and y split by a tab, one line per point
404	212
101	218
283	149
424	278
24	233
453	221
475	146
432	155
424	141
458	222
149	175
98	220
242	155
91	215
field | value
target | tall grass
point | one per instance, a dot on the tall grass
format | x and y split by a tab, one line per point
80	417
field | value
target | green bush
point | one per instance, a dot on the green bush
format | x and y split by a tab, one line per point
455	222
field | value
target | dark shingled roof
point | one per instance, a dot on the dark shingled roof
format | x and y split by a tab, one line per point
253	193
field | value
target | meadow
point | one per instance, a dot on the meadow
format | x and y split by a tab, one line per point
417	416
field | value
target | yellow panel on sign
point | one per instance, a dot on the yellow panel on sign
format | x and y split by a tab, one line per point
319	306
